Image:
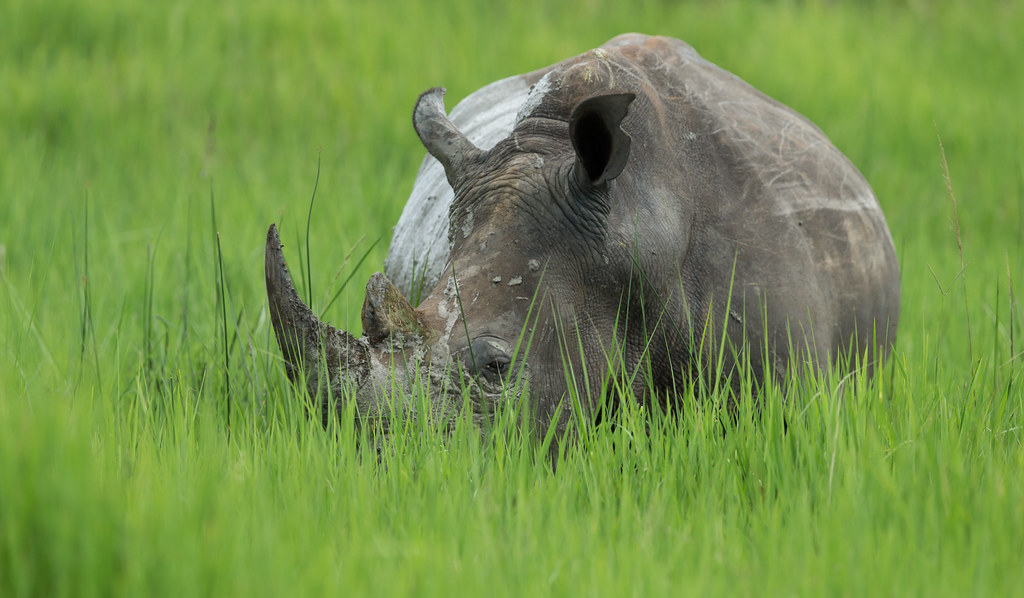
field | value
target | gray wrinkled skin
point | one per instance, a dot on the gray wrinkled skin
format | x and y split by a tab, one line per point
634	212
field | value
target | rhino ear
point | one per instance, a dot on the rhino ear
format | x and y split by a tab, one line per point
602	147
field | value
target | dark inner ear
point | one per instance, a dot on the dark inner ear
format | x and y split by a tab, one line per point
593	142
602	147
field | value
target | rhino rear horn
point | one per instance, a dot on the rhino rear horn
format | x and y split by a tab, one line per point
387	314
445	142
602	147
309	346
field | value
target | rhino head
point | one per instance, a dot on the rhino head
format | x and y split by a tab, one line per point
529	303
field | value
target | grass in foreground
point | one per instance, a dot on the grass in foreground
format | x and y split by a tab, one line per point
868	483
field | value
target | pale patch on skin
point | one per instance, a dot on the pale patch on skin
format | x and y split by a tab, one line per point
797	204
448	309
537	94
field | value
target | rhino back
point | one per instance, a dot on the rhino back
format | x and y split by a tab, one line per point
778	214
739	208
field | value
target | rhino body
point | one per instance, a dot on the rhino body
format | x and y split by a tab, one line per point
634	214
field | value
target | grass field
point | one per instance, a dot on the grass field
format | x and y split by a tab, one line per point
150	443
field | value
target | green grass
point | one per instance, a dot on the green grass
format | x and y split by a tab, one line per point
124	125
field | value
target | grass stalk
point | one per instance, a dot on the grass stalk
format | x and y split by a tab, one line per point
351	273
959	243
309	219
220	308
86	326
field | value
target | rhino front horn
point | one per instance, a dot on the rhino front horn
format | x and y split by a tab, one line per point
439	135
327	359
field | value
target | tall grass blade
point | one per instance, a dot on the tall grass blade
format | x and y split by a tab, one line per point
352	272
309	219
959	243
220	305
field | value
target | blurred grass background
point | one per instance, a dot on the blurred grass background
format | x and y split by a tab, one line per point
123	123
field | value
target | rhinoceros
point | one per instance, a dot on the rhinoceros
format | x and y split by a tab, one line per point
616	226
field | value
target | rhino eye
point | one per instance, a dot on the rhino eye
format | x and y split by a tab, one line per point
496	368
488	358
